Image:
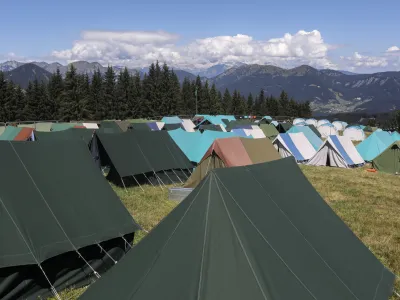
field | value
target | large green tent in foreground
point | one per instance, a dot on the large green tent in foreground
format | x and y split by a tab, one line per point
141	154
55	205
240	235
389	160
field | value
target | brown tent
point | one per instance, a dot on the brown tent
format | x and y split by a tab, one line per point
233	152
24	134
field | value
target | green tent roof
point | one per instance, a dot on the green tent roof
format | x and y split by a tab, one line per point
67	135
109	127
140	152
242	235
9	133
63	126
389	160
269	130
53	200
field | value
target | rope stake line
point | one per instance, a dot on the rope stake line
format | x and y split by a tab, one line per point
52	213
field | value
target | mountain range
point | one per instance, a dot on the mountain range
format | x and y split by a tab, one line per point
329	91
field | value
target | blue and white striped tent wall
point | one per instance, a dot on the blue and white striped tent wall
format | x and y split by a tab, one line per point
337	151
294	144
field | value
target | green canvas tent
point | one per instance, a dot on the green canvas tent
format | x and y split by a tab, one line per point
59	219
124	125
64	126
109	127
283	127
66	135
141	156
269	131
389	160
242	235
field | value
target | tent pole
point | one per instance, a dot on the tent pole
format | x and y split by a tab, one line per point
159	180
169	177
184	174
148	179
189	171
102	249
138	183
177	176
123	183
126	242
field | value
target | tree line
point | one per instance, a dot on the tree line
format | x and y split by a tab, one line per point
125	95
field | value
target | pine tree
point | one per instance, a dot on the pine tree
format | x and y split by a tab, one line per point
96	101
213	101
33	102
55	89
110	94
187	97
219	108
3	91
198	93
165	104
227	102
250	104
283	103
10	103
70	96
152	92
237	105
44	106
262	103
124	95
204	99
82	109
20	100
176	96
135	104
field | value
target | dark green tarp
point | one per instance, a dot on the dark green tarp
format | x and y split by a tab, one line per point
389	160
109	127
140	152
140	126
239	124
210	127
172	126
283	127
71	134
241	235
124	125
53	200
315	130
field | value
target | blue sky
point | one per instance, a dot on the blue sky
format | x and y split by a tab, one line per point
35	29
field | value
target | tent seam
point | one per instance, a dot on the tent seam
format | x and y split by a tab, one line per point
269	244
241	244
287	217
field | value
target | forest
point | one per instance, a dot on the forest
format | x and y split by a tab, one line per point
126	96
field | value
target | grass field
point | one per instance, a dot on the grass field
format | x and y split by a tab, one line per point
369	203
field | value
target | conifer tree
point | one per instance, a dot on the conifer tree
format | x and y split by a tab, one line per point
199	94
33	104
55	89
135	106
96	102
250	104
219	108
262	103
213	100
227	102
3	91
178	105
110	94
70	96
124	95
20	100
165	105
187	97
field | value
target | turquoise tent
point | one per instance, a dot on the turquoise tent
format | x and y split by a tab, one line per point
375	144
315	141
396	135
185	140
171	120
215	120
208	137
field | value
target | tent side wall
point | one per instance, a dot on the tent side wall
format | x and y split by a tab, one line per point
210	163
389	160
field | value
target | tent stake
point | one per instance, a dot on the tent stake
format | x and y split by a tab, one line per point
138	183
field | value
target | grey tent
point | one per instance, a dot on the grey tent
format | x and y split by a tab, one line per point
240	235
59	219
142	156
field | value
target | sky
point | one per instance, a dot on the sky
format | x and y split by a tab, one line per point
352	35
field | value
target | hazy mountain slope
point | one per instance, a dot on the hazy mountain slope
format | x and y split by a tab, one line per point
27	72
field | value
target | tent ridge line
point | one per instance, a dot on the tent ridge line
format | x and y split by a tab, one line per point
240	242
264	238
166	243
287	217
205	239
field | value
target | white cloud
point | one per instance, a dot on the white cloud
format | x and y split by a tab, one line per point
357	61
139	48
393	49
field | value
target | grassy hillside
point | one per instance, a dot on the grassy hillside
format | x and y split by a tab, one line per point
368	203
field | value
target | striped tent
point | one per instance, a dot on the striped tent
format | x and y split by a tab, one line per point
294	144
310	135
12	133
337	151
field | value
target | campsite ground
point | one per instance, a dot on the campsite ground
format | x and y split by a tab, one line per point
369	203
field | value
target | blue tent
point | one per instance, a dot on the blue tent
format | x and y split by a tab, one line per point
239	132
171	120
315	141
375	144
185	140
197	151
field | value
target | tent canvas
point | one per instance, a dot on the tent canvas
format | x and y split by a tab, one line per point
48	213
124	125
171	120
298	120
354	133
315	130
389	160
72	134
63	126
185	140
294	144
269	130
144	126
310	135
240	132
326	130
283	127
109	127
12	133
91	125
188	125
242	235
375	144
139	153
337	151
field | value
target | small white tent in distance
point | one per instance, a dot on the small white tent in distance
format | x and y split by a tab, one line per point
354	133
327	129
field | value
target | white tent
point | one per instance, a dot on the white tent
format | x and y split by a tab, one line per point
256	132
354	133
338	125
321	122
327	129
298	120
160	125
337	151
294	144
188	125
91	125
312	122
